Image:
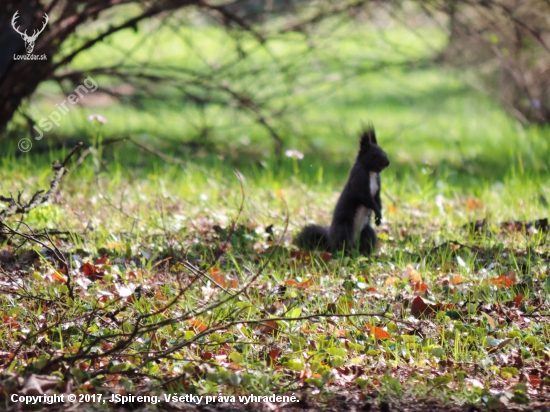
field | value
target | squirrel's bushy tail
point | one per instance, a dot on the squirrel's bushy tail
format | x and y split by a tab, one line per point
313	237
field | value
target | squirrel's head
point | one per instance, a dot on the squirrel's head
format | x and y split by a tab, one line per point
371	156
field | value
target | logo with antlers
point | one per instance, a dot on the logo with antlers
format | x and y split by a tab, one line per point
29	40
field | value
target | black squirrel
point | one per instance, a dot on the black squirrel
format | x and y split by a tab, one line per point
360	197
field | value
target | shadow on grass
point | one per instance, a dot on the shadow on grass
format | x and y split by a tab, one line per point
251	162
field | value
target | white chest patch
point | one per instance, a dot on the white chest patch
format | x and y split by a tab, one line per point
361	219
362	216
373	183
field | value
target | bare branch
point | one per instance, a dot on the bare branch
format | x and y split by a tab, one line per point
16	207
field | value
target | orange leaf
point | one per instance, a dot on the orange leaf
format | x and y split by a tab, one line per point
379	333
473	204
160	296
453	246
456	280
517	300
420	288
303	285
441	306
391	280
412	274
502	282
340	333
102	261
534	379
218	277
58	278
197	324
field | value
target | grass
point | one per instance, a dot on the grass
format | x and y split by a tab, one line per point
441	311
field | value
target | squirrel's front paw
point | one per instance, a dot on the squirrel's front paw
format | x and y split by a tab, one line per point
378	220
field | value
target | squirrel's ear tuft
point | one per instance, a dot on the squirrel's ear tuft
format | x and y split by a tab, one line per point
367	137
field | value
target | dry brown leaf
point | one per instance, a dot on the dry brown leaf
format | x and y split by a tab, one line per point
57	278
534	380
218	277
92	272
302	285
379	333
274	355
412	274
517	300
502	281
420	288
102	261
197	324
391	280
270	327
472	204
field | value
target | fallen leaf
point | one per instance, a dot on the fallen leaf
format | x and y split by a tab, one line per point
472	204
412	274
297	256
456	280
102	261
274	354
217	277
303	285
269	327
197	324
379	333
391	280
92	272
420	288
57	278
502	281
489	320
534	380
325	256
419	308
340	333
207	355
